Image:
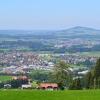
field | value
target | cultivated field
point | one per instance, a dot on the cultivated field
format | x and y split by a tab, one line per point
90	54
49	95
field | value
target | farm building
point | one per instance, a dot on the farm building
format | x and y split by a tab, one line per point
26	86
7	86
48	86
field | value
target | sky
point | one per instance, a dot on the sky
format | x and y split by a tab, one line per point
49	14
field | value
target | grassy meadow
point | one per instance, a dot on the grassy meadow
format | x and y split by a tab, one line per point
5	78
49	95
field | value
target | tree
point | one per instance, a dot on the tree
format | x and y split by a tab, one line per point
76	84
97	74
93	77
18	83
97	69
89	80
1	85
61	74
40	75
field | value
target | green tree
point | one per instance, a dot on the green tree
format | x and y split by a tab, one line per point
76	84
61	74
93	77
97	69
96	74
89	80
40	75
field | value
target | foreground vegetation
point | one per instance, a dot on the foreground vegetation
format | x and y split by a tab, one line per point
49	95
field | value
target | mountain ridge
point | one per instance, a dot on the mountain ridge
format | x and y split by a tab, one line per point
78	30
81	30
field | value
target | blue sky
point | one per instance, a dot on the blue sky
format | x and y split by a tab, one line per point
49	14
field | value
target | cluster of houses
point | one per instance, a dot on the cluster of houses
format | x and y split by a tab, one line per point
76	42
76	58
22	62
40	86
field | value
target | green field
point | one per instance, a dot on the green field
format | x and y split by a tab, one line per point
90	54
5	78
49	95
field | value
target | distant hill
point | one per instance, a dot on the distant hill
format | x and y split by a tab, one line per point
78	30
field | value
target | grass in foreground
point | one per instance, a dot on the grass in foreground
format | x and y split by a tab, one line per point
49	95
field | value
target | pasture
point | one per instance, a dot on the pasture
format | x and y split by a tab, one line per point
5	78
49	95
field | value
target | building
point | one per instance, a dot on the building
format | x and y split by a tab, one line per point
26	86
7	86
48	86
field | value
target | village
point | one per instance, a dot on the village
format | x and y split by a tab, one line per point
23	62
21	66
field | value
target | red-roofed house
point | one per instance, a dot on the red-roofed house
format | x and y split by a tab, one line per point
47	86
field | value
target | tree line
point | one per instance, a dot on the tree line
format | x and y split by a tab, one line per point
65	78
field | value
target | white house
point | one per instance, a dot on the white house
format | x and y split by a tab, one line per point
26	86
